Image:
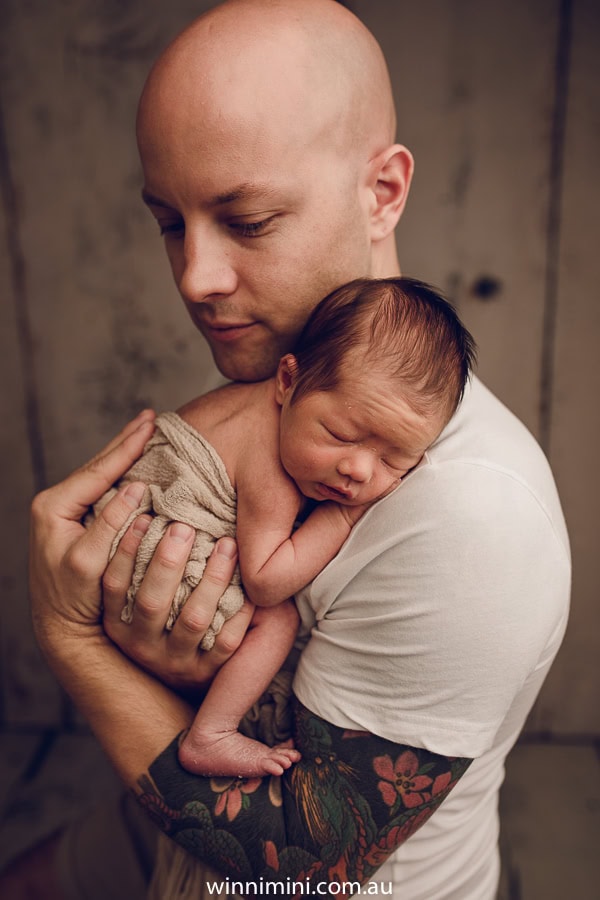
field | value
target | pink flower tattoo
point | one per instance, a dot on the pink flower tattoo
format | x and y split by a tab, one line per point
402	780
233	793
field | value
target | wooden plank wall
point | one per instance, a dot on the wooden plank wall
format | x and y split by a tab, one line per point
571	700
94	328
499	103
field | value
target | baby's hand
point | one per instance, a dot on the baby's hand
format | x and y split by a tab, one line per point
353	513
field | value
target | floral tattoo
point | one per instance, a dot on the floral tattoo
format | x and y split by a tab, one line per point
335	816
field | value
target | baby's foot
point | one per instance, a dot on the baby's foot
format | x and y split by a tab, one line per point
231	753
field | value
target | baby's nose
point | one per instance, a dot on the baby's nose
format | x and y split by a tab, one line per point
358	466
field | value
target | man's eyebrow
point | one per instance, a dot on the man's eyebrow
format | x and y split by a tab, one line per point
244	191
150	200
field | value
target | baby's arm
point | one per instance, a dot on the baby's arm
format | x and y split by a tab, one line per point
274	563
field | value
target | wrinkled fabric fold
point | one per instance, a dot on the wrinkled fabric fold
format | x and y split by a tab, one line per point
186	482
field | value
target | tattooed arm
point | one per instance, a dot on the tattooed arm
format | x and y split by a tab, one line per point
335	816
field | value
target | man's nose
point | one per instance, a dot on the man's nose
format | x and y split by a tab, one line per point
357	465
207	271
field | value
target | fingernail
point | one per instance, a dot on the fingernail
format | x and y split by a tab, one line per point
227	547
141	526
180	532
133	494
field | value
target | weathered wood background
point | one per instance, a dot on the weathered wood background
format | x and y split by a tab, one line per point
500	102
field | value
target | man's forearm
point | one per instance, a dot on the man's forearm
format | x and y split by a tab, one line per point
132	714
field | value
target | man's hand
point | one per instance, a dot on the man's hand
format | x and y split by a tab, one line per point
173	656
67	560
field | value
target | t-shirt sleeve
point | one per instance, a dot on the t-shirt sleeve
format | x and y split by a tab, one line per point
437	610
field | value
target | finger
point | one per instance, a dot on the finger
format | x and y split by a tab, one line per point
206	664
232	634
119	572
89	554
199	610
163	576
221	564
146	415
86	485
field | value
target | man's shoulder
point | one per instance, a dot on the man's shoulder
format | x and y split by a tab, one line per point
485	474
485	444
484	429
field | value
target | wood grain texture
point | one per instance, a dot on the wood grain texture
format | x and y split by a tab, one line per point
570	703
550	824
28	695
474	86
45	786
82	268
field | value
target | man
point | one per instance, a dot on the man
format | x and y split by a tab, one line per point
266	133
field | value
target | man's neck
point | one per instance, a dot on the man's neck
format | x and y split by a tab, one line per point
385	259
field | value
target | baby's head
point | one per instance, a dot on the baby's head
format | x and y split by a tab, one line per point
376	374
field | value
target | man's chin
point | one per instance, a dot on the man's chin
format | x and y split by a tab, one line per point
244	367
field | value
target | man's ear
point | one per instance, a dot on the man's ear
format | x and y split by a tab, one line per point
390	174
285	379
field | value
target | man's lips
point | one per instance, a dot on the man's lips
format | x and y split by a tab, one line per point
226	331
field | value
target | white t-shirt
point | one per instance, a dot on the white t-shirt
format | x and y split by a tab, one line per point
436	625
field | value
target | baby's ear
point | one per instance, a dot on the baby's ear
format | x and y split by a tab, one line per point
285	379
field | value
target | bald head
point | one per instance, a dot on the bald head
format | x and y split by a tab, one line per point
266	136
306	67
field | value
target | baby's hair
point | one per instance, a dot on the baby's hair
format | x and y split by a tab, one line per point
399	327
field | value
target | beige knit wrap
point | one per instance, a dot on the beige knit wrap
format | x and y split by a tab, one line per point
186	482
